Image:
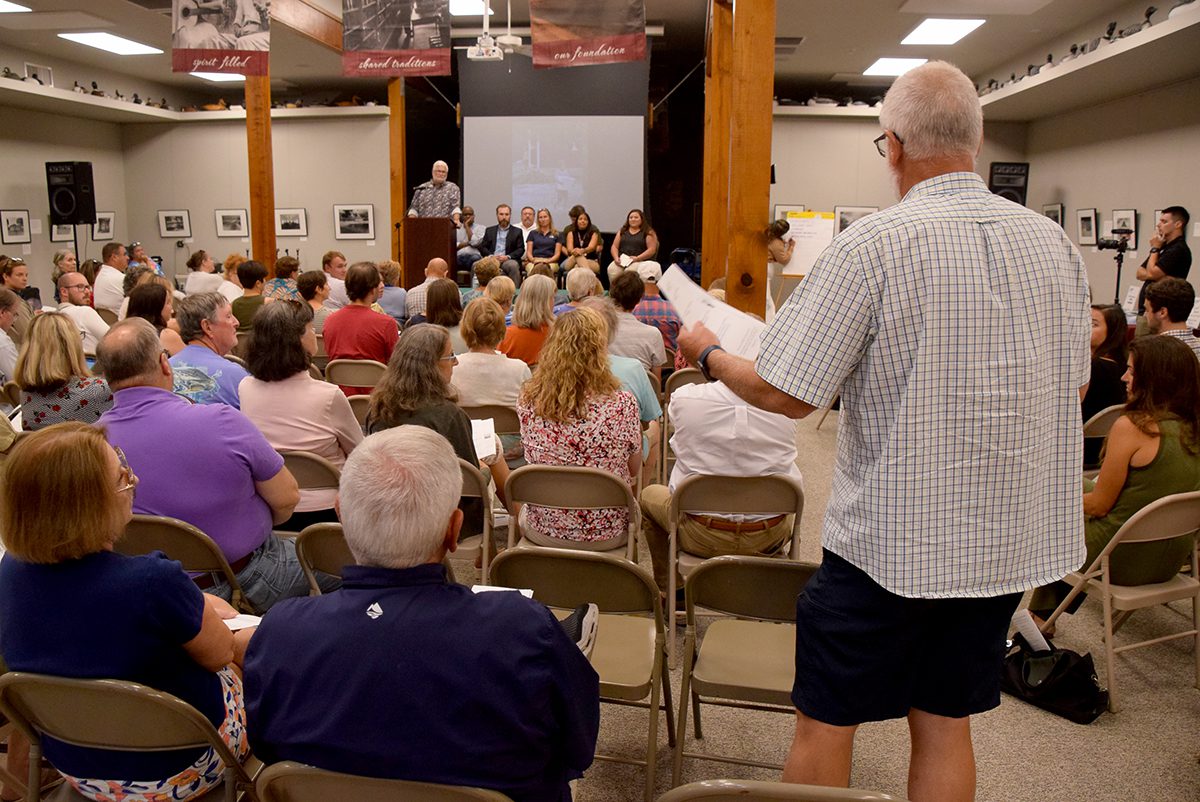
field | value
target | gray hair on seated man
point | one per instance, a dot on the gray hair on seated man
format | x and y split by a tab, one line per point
398	498
581	282
130	355
606	309
934	111
194	310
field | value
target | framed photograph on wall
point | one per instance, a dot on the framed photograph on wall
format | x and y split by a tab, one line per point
174	223
1054	211
843	216
39	73
1126	218
354	221
291	223
14	227
780	210
105	225
232	222
1086	219
62	233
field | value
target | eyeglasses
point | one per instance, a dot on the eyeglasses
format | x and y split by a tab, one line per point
451	359
83	286
128	479
879	142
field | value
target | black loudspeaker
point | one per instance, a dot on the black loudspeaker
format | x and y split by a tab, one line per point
1010	180
72	195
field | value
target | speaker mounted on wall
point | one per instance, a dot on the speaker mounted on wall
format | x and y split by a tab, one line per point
72	194
1009	180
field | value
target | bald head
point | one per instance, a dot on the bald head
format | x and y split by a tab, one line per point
130	355
437	268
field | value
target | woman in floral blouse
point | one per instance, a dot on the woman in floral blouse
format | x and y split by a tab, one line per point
574	412
56	385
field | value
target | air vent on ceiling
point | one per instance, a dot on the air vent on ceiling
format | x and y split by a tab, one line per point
787	45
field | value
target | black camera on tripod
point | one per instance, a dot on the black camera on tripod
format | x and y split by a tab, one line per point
1120	244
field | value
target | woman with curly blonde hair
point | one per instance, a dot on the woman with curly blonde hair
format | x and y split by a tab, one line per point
574	412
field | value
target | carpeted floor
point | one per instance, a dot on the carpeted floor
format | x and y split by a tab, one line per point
1149	750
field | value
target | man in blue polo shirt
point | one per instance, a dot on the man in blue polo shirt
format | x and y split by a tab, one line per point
434	683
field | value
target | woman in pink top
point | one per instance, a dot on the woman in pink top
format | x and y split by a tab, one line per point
294	411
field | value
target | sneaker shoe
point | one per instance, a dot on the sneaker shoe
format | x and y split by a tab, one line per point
580	627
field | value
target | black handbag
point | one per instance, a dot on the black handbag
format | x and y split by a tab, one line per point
1058	680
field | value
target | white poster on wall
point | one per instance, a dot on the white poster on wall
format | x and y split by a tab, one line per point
812	233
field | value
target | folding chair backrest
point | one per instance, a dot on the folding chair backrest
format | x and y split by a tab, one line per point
320	358
322	547
505	418
295	782
354	372
474	483
655	382
752	790
748	587
360	404
312	472
1099	424
566	578
1169	517
568	487
763	495
179	540
12	393
107	315
235	359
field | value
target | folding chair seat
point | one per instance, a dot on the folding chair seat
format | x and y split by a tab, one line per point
676	380
629	654
758	791
296	782
747	660
354	372
572	487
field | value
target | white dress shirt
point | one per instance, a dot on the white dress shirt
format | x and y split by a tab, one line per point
230	290
198	282
483	379
91	325
110	289
338	297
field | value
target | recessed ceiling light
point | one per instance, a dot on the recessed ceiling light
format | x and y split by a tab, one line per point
219	77
893	66
941	31
11	8
468	8
113	44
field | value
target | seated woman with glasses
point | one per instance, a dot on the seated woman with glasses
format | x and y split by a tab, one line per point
56	385
71	606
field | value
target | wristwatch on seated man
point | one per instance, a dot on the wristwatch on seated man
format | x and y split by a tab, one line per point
702	360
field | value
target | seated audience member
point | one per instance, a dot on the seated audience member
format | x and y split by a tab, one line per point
468	236
634	338
230	286
719	434
506	242
153	302
333	264
56	385
252	275
574	412
484	270
135	276
581	283
313	287
484	376
203	276
14	275
76	295
106	289
531	319
635	242
63	590
655	310
582	247
444	308
502	290
392	301
209	329
294	411
1105	387
357	332
414	302
1153	450
64	262
527	699
206	464
283	286
138	256
89	268
542	246
560	296
8	348
1168	303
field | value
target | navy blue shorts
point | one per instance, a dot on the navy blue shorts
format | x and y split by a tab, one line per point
866	654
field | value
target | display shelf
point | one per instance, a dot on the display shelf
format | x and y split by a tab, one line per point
825	111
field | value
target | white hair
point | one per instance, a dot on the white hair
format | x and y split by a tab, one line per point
398	490
934	110
535	304
580	282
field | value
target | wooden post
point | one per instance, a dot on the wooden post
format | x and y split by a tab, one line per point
262	171
399	183
715	210
753	81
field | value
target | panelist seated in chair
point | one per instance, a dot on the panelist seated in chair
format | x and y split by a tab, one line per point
719	434
434	683
1153	450
71	606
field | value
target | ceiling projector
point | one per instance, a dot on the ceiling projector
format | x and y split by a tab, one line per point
485	49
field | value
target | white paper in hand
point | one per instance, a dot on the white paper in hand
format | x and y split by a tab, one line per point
242	621
483	433
738	332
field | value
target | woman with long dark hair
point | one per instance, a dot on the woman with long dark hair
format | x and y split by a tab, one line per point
153	301
635	242
1109	345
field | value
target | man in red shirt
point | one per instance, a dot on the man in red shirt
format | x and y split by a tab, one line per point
356	331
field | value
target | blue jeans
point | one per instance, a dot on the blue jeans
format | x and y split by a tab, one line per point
274	573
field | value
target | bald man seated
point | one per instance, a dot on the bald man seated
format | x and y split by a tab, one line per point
414	303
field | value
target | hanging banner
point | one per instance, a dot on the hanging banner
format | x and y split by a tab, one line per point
395	37
567	33
221	36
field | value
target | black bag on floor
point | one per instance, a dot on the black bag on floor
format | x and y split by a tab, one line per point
1059	680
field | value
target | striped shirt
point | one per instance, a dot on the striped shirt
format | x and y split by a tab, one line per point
1189	339
955	327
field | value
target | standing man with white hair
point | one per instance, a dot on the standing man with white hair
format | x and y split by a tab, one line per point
956	485
434	683
437	197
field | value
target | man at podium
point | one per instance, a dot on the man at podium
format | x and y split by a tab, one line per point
437	197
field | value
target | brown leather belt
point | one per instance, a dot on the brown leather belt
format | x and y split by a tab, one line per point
725	525
205	581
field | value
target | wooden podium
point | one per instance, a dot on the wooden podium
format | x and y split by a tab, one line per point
426	238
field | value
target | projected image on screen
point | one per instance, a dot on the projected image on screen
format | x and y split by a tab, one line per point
555	163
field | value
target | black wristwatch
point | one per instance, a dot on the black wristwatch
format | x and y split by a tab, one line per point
1155	250
702	360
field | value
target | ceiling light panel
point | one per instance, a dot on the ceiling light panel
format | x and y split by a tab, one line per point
468	8
11	8
893	66
941	31
219	77
110	43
